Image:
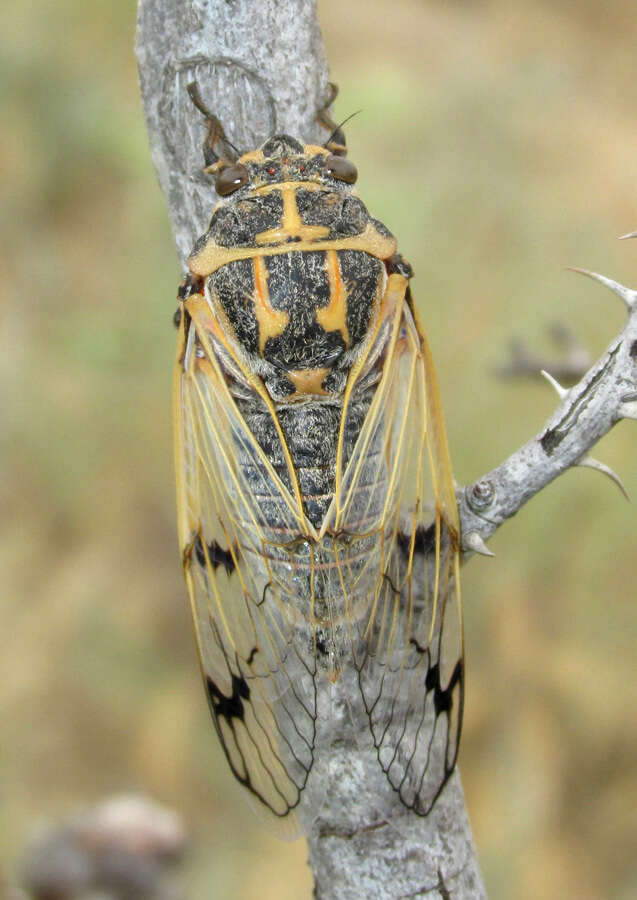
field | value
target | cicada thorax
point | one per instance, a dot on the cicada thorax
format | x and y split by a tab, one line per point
294	272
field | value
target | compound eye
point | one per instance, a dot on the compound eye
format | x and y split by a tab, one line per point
230	179
341	168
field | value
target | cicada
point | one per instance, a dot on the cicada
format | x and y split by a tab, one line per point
317	514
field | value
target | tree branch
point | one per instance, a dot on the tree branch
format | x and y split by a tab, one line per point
261	68
606	394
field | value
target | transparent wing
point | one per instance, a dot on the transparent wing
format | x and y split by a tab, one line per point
396	496
274	602
234	516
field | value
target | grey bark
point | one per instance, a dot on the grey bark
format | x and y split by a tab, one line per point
261	69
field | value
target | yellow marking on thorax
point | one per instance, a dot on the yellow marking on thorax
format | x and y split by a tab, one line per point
272	322
309	150
212	256
291	225
307	381
333	317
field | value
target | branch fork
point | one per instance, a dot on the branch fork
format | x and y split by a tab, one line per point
605	395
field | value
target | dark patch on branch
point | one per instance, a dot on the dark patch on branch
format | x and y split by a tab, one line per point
554	436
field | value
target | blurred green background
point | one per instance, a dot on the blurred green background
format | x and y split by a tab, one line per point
498	142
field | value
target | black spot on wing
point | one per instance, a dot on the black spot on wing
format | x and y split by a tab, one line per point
411	780
216	554
231	706
424	540
442	696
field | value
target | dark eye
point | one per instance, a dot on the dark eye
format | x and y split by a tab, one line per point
230	178
341	168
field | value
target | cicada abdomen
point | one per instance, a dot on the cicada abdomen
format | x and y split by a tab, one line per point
317	513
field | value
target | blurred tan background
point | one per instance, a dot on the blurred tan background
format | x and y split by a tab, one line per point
497	141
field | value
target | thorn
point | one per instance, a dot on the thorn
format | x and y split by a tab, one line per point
588	462
628	296
561	391
631	234
473	541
